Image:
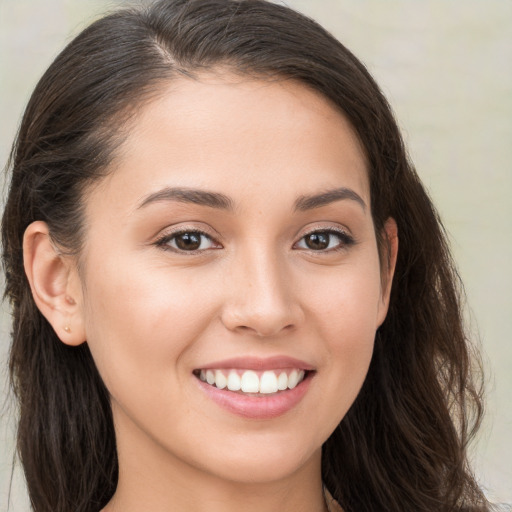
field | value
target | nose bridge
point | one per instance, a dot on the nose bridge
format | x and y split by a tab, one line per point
261	299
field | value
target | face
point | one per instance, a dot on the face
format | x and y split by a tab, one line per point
232	246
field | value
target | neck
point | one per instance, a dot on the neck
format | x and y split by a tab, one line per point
152	479
163	493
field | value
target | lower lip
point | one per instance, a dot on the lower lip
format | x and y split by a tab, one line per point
257	407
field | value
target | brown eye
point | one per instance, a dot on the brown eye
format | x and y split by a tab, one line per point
187	241
317	241
325	241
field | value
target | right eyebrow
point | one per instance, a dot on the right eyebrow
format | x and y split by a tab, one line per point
189	195
304	203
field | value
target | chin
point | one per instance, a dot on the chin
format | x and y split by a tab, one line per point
264	463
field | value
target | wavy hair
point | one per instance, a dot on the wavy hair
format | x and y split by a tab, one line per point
402	445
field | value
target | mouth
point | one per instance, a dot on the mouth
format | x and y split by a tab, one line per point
255	388
253	382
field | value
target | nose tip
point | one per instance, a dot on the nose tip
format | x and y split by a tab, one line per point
264	309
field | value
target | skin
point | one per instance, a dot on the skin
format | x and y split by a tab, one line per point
152	315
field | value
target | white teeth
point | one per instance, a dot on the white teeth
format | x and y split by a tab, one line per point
250	382
234	383
282	381
293	379
268	383
210	377
220	380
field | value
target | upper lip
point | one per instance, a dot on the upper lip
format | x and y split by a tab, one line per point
259	363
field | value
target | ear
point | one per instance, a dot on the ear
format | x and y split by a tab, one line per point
55	284
390	236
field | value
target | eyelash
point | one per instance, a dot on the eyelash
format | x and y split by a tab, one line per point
345	240
164	241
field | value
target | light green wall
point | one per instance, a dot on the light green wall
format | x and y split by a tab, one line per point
446	67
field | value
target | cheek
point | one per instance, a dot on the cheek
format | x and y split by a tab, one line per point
139	322
346	310
346	303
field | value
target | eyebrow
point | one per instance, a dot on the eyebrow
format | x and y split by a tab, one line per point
223	202
304	203
189	195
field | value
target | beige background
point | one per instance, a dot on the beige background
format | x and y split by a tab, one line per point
446	67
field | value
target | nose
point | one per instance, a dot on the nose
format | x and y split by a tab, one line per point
261	298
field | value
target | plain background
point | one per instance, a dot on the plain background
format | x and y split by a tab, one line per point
446	68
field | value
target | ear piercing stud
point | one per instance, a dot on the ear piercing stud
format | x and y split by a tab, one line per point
67	328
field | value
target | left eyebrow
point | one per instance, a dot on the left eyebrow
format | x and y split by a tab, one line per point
304	203
189	195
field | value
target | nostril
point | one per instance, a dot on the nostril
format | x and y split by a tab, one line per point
262	320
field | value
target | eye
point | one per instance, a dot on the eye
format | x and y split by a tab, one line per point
187	241
325	240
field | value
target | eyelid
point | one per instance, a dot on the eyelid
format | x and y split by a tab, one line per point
346	239
164	238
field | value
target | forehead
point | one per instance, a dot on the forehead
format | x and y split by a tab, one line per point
239	136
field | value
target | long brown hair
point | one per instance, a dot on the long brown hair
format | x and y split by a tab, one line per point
402	445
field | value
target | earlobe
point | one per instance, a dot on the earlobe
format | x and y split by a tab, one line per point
388	263
54	284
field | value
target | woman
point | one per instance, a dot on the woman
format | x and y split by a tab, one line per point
229	288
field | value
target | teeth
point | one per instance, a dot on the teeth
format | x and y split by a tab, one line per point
268	383
210	377
282	381
234	383
293	379
250	382
220	381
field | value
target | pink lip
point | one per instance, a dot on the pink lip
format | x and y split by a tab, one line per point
257	363
253	407
258	407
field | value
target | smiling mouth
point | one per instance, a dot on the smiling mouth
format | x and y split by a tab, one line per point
251	382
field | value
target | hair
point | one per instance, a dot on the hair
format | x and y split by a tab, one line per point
402	446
